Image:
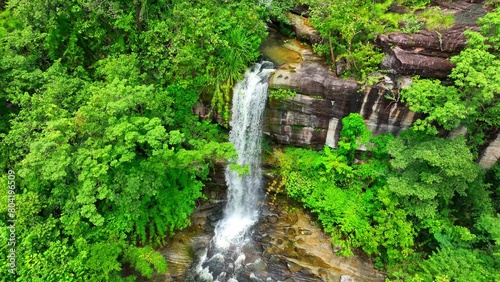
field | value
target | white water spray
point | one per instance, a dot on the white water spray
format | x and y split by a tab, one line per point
244	192
241	211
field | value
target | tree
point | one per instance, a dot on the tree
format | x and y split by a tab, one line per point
109	155
457	265
430	171
352	135
473	99
349	29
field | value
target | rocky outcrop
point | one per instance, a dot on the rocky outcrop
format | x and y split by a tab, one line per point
303	29
426	53
427	43
312	117
404	62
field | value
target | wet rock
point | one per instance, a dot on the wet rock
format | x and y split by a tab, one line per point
308	254
426	53
266	239
303	29
293	267
291	231
277	269
272	219
254	278
301	251
347	278
258	266
290	218
305	231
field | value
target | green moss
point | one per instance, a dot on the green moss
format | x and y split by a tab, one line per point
281	94
297	126
436	19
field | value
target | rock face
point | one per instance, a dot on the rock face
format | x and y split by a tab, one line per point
426	53
313	115
303	29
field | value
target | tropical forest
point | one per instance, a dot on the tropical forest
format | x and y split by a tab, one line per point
250	140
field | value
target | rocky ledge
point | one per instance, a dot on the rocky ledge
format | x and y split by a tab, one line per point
312	117
425	53
296	249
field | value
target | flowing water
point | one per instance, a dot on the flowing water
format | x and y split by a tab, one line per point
227	252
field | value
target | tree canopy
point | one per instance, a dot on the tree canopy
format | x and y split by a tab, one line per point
473	98
96	124
98	132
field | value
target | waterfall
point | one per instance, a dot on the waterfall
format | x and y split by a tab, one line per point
224	256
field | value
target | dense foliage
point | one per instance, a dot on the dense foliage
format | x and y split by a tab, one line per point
418	203
473	100
97	129
426	196
349	28
106	159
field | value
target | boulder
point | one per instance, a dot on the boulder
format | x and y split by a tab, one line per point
491	154
303	29
442	44
427	53
403	62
